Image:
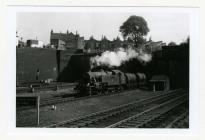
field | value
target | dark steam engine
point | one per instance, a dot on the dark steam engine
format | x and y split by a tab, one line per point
102	82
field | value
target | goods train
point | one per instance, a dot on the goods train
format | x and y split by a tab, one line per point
102	82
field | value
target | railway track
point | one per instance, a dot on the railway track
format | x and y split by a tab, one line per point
180	121
57	100
107	117
44	87
71	97
153	116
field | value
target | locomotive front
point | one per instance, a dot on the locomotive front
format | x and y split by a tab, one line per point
83	84
91	83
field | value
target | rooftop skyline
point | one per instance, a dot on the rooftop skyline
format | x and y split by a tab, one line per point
164	27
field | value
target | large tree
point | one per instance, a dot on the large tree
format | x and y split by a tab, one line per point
134	29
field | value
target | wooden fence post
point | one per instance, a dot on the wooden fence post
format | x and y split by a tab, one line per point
38	109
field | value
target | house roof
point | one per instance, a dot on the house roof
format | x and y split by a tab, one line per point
63	36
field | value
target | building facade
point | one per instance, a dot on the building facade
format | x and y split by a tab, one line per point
63	41
152	46
93	45
35	43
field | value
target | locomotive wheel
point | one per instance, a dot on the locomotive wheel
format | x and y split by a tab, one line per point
120	88
116	89
99	91
106	91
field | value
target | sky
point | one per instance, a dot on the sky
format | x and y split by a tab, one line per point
164	27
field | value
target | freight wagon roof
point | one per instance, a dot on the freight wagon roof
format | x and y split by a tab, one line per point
141	75
117	71
130	76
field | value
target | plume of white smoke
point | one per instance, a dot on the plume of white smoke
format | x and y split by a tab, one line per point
116	58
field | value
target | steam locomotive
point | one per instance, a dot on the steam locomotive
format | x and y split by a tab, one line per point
102	82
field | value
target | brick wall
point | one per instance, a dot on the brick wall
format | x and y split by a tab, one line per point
29	60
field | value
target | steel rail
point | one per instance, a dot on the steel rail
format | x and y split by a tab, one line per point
170	125
148	115
93	117
67	99
44	88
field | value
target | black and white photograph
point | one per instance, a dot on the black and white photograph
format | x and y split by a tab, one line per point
103	67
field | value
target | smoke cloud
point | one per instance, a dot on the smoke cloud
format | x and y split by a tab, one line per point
116	58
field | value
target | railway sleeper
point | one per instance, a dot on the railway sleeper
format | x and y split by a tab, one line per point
152	119
176	120
134	123
79	124
124	110
103	117
127	126
155	116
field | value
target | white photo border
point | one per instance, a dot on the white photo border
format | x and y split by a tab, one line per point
194	73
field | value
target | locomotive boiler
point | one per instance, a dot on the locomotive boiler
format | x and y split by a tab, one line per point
103	82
